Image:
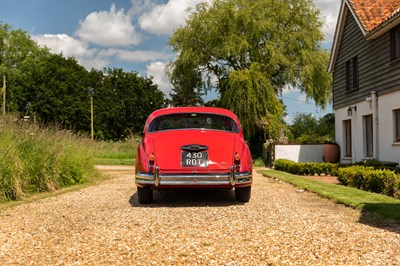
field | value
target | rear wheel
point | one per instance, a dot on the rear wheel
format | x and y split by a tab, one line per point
243	194
145	195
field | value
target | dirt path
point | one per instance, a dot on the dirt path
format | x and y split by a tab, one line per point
105	225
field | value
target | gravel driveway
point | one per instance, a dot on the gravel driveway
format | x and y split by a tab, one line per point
105	225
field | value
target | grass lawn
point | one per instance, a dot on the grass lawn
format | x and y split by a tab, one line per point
386	207
116	153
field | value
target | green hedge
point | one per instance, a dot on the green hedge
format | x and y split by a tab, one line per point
367	178
306	168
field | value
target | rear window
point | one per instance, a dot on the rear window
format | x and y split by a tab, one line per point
193	121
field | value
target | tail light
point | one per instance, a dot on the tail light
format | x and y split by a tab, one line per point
236	162
151	162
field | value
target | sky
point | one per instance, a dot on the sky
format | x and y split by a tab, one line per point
130	34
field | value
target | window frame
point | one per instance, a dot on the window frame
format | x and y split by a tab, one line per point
347	138
368	136
352	74
355	72
191	121
395	44
396	125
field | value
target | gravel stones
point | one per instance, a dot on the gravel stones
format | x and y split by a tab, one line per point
105	225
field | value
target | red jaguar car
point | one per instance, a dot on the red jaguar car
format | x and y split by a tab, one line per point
193	147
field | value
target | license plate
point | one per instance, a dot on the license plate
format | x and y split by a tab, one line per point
194	158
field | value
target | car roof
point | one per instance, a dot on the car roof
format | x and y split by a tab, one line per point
196	109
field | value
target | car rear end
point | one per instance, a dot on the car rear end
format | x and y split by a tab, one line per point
193	148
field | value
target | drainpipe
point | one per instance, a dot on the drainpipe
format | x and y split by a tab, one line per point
374	102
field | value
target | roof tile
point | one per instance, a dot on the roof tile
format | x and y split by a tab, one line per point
372	13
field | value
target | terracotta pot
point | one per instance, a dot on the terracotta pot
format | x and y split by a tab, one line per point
331	153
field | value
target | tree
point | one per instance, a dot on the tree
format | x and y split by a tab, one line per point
16	47
253	49
122	102
53	89
186	88
306	128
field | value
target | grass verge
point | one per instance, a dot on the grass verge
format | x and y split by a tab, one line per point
258	162
116	153
94	180
386	207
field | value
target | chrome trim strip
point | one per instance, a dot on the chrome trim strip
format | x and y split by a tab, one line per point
228	179
144	176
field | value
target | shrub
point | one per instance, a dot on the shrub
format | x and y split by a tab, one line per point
382	181
282	164
305	168
351	176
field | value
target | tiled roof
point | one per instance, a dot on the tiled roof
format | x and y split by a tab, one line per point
372	13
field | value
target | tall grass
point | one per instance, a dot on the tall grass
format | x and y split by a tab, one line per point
38	159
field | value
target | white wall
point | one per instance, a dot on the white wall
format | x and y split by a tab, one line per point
384	147
388	149
300	153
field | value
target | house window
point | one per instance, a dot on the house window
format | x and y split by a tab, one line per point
347	138
352	74
368	136
396	114
395	44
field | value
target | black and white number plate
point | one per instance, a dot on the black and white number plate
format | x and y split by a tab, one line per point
194	158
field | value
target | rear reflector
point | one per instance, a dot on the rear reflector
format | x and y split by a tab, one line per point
151	162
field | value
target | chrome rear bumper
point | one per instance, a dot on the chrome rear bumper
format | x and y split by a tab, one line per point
231	178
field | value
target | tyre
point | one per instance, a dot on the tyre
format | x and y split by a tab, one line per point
243	194
145	195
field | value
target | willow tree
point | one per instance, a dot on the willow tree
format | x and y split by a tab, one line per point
249	51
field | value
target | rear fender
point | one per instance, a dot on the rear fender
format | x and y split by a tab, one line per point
245	156
145	148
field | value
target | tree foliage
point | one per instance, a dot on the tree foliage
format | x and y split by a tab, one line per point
306	128
54	89
253	49
122	102
186	87
15	47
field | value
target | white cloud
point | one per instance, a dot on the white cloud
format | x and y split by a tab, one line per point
71	47
92	57
165	18
140	6
288	119
329	14
157	71
62	43
135	55
108	28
